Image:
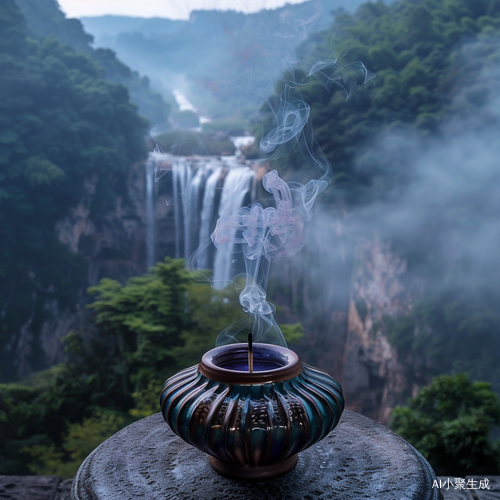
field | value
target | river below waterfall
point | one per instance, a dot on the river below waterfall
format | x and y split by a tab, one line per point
185	105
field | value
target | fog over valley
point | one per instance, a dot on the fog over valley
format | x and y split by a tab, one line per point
322	174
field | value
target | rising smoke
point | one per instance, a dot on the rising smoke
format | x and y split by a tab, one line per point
267	234
433	201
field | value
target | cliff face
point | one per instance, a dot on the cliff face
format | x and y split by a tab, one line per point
38	344
373	378
113	245
313	287
339	288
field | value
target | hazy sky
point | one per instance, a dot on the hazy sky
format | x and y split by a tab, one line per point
173	9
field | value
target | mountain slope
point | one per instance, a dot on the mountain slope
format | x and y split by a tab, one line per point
44	18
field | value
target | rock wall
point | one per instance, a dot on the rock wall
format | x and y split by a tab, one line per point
373	378
114	246
38	344
339	288
115	243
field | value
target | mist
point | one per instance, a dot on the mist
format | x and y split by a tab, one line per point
215	56
420	250
441	196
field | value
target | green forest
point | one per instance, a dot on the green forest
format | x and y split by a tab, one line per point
70	113
61	124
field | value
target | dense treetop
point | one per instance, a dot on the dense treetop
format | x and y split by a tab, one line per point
44	18
415	50
61	124
450	422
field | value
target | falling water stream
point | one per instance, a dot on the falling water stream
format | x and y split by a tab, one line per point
237	188
203	188
150	213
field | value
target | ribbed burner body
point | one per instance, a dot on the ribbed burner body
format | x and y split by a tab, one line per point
256	426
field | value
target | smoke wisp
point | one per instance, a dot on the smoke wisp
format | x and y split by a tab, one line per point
267	234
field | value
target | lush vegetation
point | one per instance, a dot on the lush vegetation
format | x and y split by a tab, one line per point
450	422
139	334
451	332
185	119
186	142
62	122
44	18
436	68
414	50
61	126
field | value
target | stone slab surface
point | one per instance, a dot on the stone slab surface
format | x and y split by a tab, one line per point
64	490
23	487
34	488
359	459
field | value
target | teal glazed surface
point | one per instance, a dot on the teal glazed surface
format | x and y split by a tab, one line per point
252	425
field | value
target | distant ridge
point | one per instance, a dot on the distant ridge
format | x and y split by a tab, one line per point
217	58
111	25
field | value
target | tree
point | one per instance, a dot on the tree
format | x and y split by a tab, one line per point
61	126
140	334
45	18
450	423
157	323
80	440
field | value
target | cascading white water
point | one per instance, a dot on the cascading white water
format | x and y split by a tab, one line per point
237	186
207	217
193	199
204	188
150	213
182	175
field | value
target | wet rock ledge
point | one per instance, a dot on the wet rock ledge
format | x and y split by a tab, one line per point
360	459
34	488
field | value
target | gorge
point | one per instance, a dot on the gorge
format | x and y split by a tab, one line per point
423	216
321	287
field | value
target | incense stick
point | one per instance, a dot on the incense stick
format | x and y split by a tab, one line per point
250	353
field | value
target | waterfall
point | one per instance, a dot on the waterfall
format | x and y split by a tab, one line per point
150	213
204	188
182	175
193	200
208	217
237	187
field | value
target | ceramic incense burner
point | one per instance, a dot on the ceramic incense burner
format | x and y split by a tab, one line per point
252	424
